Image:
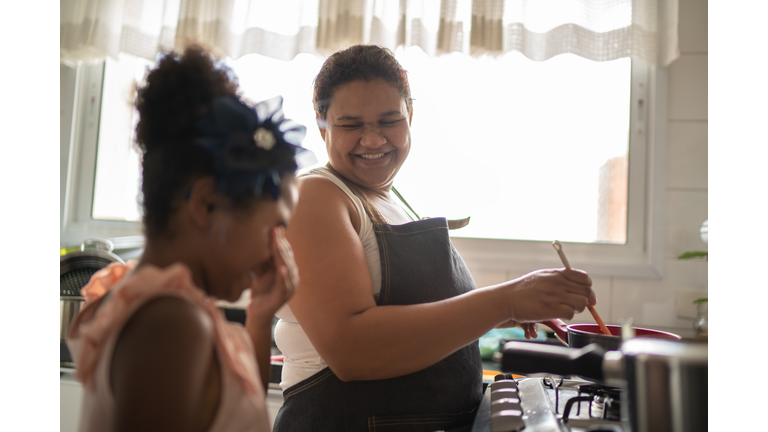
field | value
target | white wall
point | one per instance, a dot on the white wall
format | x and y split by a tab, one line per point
652	302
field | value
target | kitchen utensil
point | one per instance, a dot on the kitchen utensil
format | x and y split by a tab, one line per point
663	382
579	335
627	331
76	270
559	248
598	320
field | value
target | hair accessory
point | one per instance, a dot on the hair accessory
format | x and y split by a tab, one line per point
252	147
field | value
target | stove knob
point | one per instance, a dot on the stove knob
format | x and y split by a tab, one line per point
505	404
508	420
504	384
504	393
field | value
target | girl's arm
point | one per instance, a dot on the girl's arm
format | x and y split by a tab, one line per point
261	336
268	293
163	369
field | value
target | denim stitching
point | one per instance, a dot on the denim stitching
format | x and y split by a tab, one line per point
385	272
373	422
308	385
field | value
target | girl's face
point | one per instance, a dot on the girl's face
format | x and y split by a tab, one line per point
367	132
246	250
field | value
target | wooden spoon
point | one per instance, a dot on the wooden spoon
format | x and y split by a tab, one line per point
603	328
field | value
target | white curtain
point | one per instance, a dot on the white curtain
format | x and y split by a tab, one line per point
278	29
436	26
94	29
598	30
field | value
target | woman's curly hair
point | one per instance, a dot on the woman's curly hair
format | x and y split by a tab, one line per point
357	62
177	93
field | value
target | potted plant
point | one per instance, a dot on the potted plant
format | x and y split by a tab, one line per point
702	310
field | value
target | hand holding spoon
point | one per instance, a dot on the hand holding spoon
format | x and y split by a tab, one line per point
603	328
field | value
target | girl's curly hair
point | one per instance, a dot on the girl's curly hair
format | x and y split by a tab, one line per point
177	93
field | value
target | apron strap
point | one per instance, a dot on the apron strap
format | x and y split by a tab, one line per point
375	215
458	223
394	189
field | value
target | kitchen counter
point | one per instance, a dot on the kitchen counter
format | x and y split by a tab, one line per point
71	389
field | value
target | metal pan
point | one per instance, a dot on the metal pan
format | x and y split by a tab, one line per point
663	383
580	335
76	270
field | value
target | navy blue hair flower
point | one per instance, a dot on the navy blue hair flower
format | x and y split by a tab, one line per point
252	147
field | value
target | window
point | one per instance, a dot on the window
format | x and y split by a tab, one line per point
526	149
519	145
83	105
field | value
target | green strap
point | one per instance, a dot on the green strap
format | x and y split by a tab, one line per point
406	204
373	212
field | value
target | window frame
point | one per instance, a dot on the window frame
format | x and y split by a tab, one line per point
76	202
641	257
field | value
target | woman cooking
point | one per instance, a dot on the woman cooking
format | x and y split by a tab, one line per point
382	334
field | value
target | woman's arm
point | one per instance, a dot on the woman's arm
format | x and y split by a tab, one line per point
163	369
361	341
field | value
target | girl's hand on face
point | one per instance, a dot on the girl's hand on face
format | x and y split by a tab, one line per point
275	285
549	294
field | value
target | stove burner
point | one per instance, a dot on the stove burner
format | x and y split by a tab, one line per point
604	402
554	385
532	405
548	384
569	405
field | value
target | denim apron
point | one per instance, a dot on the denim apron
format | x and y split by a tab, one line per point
418	265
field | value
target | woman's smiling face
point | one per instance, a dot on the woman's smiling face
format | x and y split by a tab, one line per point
367	132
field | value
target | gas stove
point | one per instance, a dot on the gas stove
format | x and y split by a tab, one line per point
548	405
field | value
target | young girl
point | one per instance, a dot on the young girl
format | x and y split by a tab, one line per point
151	349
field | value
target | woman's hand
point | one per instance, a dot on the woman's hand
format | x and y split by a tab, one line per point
277	281
531	329
548	294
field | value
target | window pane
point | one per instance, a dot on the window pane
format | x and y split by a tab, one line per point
530	150
263	78
118	174
118	180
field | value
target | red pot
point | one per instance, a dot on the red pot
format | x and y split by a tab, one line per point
580	335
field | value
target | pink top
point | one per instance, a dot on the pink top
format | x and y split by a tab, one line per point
94	332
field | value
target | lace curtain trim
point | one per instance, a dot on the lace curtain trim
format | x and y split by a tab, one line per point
92	29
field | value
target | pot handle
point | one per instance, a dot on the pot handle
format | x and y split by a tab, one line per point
560	328
530	358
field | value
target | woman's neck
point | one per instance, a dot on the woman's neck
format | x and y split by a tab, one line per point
388	207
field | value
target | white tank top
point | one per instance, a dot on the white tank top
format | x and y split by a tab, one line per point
301	357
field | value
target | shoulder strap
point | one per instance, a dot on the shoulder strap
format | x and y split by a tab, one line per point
400	197
374	212
452	223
